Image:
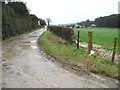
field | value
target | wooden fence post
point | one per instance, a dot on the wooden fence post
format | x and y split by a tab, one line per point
89	42
78	40
114	49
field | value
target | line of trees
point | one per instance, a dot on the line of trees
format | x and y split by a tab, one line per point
108	21
17	20
112	21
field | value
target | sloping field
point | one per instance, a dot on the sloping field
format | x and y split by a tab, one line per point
101	36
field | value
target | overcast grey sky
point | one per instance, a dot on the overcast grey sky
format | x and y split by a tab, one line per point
70	11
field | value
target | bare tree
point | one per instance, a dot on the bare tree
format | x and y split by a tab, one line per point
48	21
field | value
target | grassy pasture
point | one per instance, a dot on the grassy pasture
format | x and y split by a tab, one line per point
101	36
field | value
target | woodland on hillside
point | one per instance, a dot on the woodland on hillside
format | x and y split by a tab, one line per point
111	21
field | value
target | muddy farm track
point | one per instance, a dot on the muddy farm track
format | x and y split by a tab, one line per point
27	66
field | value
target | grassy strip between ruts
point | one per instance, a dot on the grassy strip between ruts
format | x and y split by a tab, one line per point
57	48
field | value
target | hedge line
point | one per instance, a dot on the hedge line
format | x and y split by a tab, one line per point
17	20
63	32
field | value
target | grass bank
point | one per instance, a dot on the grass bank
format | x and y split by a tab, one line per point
101	36
68	53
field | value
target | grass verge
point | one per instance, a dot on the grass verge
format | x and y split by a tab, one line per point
68	53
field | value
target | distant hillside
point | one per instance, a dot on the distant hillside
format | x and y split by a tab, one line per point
111	21
108	21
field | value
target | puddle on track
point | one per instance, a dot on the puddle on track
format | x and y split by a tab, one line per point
33	36
28	47
8	54
34	47
26	42
25	46
33	41
30	41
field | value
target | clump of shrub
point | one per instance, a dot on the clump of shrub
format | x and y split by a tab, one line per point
63	32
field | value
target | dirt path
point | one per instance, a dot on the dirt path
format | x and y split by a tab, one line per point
26	66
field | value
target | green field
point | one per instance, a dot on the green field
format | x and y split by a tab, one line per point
67	53
101	36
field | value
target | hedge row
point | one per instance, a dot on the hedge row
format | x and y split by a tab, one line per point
17	20
63	32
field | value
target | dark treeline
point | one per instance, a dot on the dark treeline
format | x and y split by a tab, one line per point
108	21
17	20
111	21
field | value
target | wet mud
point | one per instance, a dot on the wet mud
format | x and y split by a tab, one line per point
8	54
